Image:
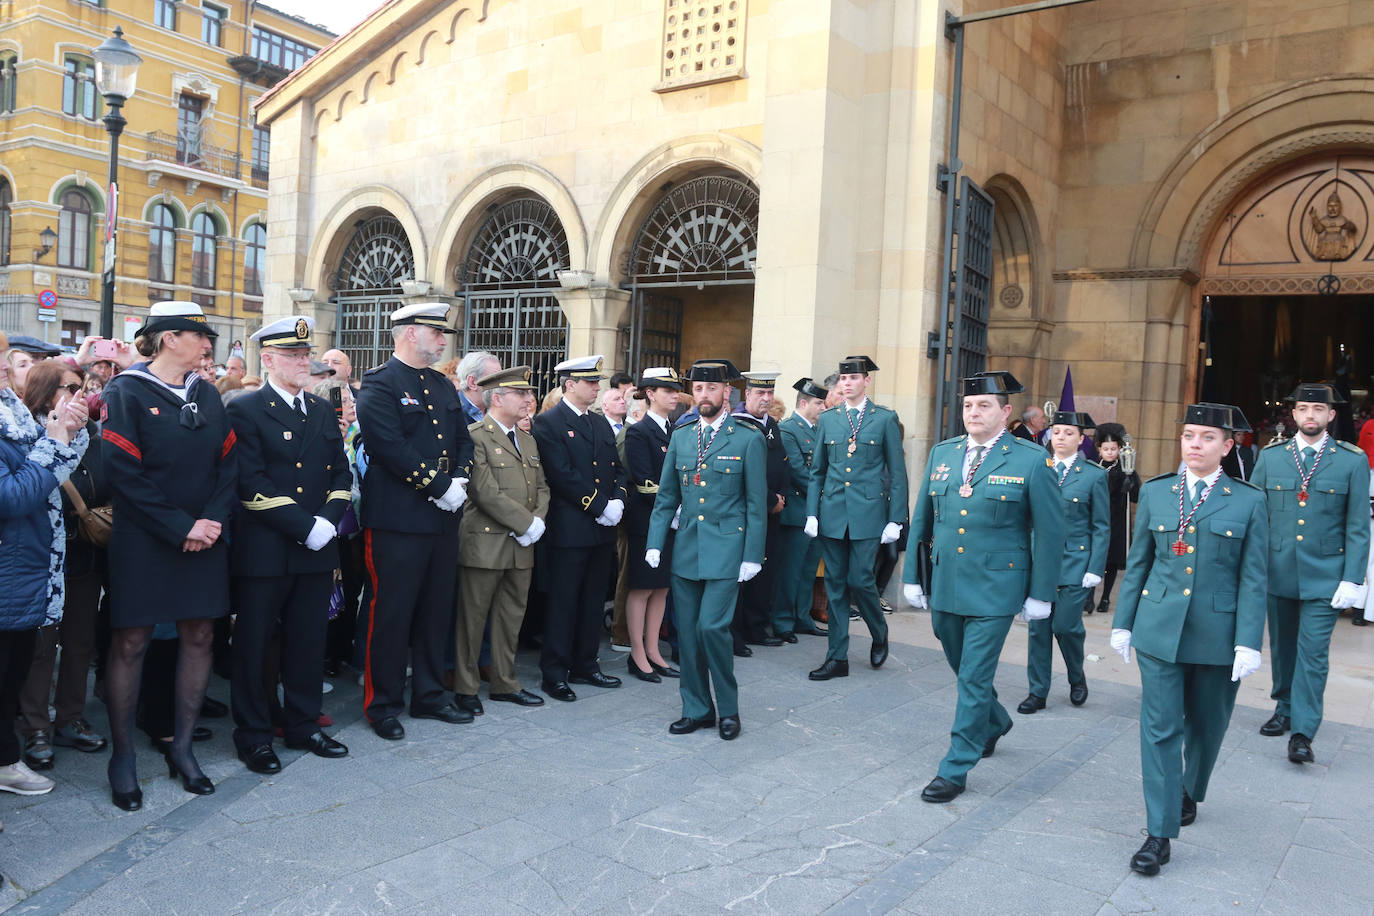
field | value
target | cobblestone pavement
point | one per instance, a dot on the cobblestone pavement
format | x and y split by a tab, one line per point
594	807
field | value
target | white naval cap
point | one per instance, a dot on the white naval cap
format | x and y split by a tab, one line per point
760	379
429	314
291	333
175	315
586	367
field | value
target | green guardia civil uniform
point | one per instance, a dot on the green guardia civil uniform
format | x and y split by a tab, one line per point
1188	608
1087	535
857	487
1314	545
799	555
723	497
989	551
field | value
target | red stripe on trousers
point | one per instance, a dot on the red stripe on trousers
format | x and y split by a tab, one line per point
371	621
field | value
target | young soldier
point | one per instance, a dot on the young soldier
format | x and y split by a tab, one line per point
1317	491
798	555
1190	604
1087	534
990	511
754	609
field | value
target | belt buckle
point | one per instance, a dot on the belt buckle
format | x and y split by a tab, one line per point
443	463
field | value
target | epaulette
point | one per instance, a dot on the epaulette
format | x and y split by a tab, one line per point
1349	447
951	440
877	406
1253	486
748	421
374	369
1276	441
473	427
1173	474
1095	464
1026	443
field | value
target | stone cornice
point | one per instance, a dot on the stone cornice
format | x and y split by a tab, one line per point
1077	274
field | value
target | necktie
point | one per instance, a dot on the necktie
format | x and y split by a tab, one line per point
299	404
618	426
510	434
1197	490
975	456
1307	455
1059	468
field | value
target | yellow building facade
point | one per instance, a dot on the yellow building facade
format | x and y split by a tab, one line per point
193	167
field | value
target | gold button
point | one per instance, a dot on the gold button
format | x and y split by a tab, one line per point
435	422
1331	491
846	470
1300	521
1003	498
431	406
961	530
961	550
299	490
1144	591
1192	529
846	483
963	512
439	435
1161	527
1082	547
701	518
298	464
1187	592
1188	570
1228	533
1011	566
702	499
593	464
1190	549
427	392
1075	499
1300	537
486	529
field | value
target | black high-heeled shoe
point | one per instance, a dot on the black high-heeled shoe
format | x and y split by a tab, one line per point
196	785
649	676
125	801
665	670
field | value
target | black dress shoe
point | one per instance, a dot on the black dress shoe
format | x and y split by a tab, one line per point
446	713
559	690
1078	693
686	725
260	758
665	670
519	698
877	653
1300	749
940	790
1153	854
127	801
1277	725
468	703
595	679
813	631
743	651
729	727
321	745
991	744
211	708
1357	617
1030	705
789	638
1189	811
332	667
389	728
833	667
196	785
651	675
771	641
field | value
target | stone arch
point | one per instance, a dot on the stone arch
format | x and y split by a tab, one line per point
639	191
370	86
395	67
257	216
81	183
337	228
222	224
425	42
339	109
494	187
1020	280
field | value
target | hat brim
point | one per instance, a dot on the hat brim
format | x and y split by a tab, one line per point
176	323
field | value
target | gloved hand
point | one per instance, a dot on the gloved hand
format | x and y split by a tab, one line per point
891	532
322	533
1091	580
454	496
749	570
1247	663
610	516
915	597
1347	595
677	517
1121	643
1035	609
533	533
812	527
652	557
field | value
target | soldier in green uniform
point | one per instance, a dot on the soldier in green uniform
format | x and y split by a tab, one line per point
1317	490
855	501
798	555
1191	605
1087	535
714	482
991	513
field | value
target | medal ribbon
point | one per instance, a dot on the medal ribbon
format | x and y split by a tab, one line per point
968	478
1316	460
1182	492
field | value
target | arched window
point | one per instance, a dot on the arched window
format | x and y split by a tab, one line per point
8	82
74	231
203	233
6	196
162	245
254	259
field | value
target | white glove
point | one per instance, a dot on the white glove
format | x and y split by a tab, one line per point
652	557
533	533
812	527
1035	609
322	533
915	597
749	570
1091	580
1347	595
1121	643
610	516
454	496
891	532
677	517
1247	663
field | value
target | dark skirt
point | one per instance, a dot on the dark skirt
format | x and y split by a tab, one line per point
640	575
152	582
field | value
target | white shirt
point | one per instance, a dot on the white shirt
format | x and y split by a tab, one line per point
1314	444
573	407
616	427
1067	462
809	424
661	421
1193	479
968	452
288	398
720	418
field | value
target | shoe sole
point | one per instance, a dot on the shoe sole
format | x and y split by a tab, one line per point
18	791
85	750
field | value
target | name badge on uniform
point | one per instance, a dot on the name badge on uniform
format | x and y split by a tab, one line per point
286	434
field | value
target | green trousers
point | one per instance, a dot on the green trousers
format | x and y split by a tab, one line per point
704	609
972	646
849	573
1300	650
798	557
1184	712
1065	624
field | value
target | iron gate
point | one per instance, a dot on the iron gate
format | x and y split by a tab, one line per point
364	329
655	331
521	328
968	300
368	282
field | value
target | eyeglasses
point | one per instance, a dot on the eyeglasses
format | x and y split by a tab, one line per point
72	388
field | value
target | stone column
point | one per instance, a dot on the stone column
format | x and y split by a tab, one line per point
595	316
289	216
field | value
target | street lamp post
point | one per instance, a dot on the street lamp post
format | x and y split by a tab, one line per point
116	77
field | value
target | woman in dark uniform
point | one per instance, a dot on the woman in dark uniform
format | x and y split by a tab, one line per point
169	454
1123	489
646	444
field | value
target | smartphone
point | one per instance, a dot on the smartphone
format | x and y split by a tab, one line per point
104	349
336	398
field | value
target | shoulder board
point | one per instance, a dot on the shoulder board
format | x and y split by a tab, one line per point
474	427
953	440
746	424
1274	444
1349	447
374	370
747	421
1026	443
830	409
1163	477
1246	483
1088	462
877	406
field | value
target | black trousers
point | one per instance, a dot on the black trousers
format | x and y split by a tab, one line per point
339	642
754	606
413	580
16	657
577	595
297	608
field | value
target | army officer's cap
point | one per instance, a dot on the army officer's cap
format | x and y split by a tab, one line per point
291	333
809	388
764	380
857	365
713	370
1073	418
427	314
516	378
1315	393
993	382
173	315
657	377
583	367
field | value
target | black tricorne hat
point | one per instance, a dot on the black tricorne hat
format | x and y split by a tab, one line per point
992	382
1316	393
857	365
809	388
1220	416
713	370
1073	418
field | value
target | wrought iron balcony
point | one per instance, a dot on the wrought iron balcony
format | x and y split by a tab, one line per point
190	148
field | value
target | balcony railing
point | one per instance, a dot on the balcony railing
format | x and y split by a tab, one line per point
190	148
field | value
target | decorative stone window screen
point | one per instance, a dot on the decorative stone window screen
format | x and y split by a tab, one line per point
703	42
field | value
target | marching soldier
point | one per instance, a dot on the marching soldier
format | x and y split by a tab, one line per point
1317	491
716	475
1087	535
1191	606
856	500
419	458
587	486
798	555
508	500
754	608
990	510
294	484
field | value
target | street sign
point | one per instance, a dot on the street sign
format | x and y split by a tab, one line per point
47	314
131	325
47	305
109	255
112	213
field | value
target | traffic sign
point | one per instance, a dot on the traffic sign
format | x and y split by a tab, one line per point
47	299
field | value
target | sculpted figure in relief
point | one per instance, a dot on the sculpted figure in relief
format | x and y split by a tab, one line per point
1334	233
